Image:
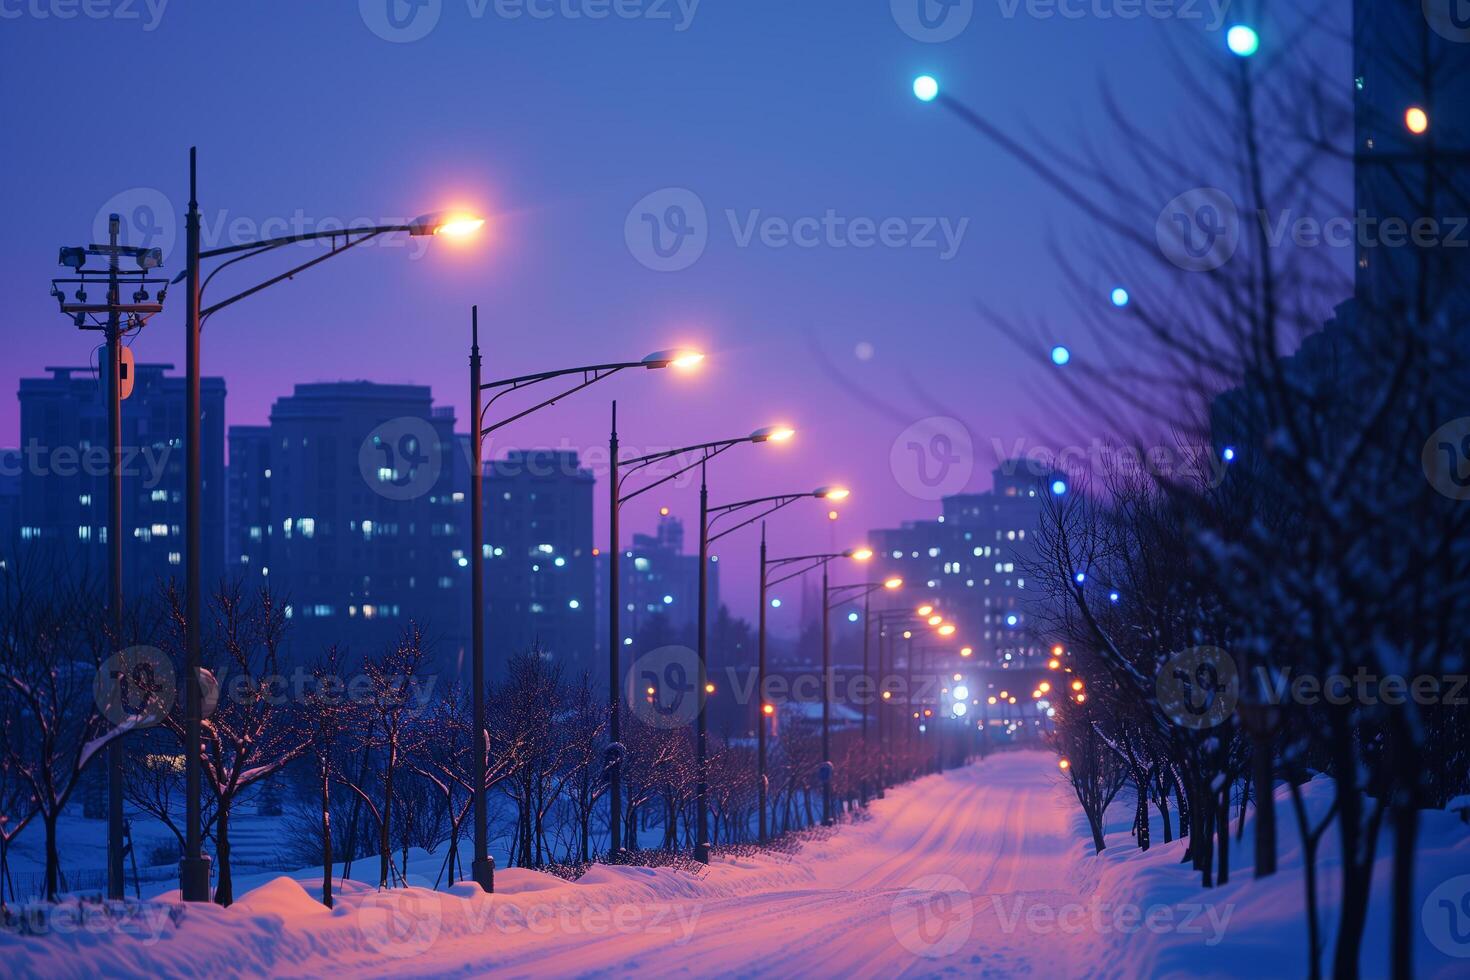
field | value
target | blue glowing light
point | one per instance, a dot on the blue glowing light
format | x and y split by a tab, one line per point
775	603
1060	355
1059	487
1012	619
1080	577
926	88
1229	454
1113	597
1120	297
1243	40
668	600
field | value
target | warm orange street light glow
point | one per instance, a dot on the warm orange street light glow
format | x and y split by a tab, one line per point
1077	685
1058	650
936	619
1064	765
773	433
928	713
908	634
1004	695
1053	663
769	709
893	583
677	358
1417	120
459	226
1013	699
887	695
1081	698
947	629
831	515
833	493
1035	694
663	512
967	651
925	610
862	554
650	690
990	700
709	689
1044	686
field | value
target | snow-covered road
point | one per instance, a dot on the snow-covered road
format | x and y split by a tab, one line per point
908	892
984	871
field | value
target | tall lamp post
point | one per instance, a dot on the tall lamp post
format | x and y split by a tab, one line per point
887	619
864	591
114	318
194	866
810	563
764	507
703	453
482	868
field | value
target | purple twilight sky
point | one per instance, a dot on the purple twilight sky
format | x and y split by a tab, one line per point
556	127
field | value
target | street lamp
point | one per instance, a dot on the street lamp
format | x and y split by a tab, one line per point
811	562
705	452
114	318
483	866
193	866
770	505
864	591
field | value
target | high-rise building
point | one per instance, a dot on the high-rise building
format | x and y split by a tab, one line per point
64	471
971	563
10	461
660	584
540	579
347	507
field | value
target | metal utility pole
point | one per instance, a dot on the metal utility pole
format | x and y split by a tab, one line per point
762	721
701	753
194	865
614	678
826	703
114	318
482	865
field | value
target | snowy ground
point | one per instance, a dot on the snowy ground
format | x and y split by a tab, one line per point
983	871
